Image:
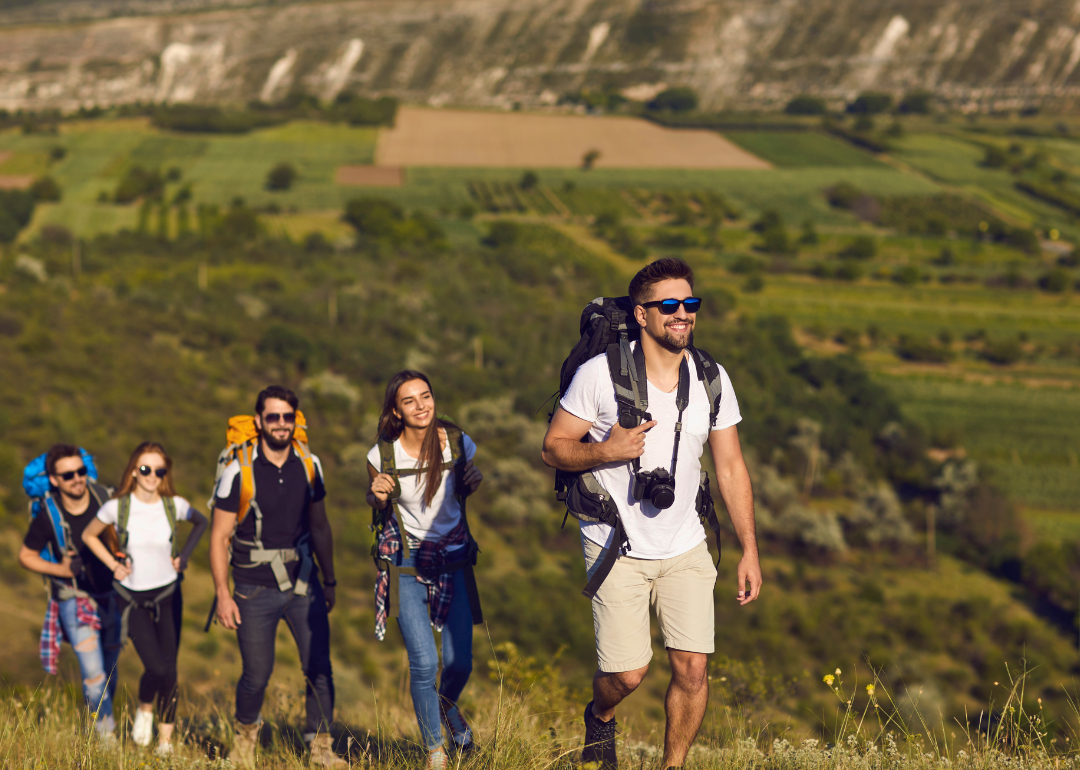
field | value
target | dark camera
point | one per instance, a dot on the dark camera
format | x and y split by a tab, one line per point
657	486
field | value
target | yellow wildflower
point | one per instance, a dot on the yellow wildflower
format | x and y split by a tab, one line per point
828	679
870	690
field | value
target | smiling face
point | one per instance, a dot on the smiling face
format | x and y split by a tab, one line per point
149	482
671	332
415	404
276	423
75	487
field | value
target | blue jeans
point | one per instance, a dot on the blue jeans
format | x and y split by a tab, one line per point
414	621
97	652
261	609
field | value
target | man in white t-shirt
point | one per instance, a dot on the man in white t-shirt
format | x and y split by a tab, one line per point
667	563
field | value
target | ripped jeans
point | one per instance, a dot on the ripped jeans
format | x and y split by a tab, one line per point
97	652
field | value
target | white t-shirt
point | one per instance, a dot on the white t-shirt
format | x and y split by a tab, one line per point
653	533
149	544
422	521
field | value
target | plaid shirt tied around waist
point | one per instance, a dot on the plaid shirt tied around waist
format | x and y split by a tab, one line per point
431	557
52	631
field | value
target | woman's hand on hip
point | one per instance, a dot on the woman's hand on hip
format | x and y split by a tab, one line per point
472	476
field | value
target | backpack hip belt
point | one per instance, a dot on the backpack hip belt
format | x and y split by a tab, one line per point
277	558
131	601
388	463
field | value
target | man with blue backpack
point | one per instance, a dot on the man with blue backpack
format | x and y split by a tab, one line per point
65	498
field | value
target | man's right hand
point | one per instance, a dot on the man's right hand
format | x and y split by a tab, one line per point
63	569
624	445
228	614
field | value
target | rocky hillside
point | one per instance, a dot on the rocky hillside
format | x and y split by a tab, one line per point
736	53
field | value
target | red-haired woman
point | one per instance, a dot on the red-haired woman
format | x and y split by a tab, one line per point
426	545
147	572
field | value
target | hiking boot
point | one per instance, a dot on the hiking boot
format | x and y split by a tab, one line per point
143	729
437	759
599	742
245	744
460	732
322	752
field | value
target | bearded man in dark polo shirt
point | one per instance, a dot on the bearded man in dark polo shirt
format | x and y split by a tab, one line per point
274	575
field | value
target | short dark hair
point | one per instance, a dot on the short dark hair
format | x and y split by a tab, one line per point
59	452
276	391
655	272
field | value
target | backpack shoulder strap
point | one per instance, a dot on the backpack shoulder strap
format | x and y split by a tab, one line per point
303	451
709	374
100	492
59	526
388	464
245	455
170	514
455	438
122	515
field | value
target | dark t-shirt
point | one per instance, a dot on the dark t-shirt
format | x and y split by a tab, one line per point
95	578
283	498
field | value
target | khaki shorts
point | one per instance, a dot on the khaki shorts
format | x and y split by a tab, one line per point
680	590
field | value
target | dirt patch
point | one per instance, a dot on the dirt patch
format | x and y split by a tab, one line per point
370	176
429	137
4	155
12	182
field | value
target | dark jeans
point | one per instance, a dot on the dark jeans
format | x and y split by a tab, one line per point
261	608
157	640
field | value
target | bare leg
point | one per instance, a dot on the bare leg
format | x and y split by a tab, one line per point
164	733
685	704
609	690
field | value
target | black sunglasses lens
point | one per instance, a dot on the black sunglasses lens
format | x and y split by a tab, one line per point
669	306
145	470
69	475
692	305
160	472
288	418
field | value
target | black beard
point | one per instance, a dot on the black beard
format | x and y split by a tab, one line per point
673	344
274	444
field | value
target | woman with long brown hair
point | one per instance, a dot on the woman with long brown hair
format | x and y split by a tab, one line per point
148	569
421	472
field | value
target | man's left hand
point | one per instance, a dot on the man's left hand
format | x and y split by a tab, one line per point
749	572
331	597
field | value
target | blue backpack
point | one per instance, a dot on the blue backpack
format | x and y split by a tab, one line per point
40	491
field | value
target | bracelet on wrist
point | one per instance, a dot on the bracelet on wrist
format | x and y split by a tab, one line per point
329	583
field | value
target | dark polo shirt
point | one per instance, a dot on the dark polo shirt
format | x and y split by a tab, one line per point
283	498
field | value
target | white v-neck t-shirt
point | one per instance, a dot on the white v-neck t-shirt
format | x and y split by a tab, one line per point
149	543
425	522
653	533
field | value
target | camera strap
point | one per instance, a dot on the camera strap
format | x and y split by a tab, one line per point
682	399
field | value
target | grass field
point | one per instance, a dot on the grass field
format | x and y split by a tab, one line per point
797	148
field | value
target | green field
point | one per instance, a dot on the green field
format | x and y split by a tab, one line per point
798	148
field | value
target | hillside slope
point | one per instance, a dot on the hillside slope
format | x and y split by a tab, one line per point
501	52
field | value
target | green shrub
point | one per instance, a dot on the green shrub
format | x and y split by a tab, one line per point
908	275
281	177
994	157
863	247
913	348
754	283
746	264
46	189
1002	352
870	103
849	271
806	105
680	99
139	183
373	217
809	235
529	180
842	195
917	103
1056	281
503	234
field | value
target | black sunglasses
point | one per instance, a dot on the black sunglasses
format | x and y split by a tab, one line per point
289	418
69	475
669	306
146	470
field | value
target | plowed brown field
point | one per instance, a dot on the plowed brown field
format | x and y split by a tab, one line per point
370	176
430	137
